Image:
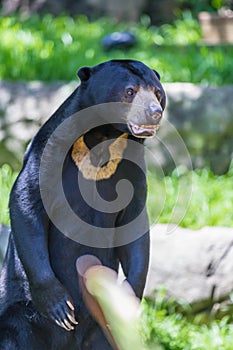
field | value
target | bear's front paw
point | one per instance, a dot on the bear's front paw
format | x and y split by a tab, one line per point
53	301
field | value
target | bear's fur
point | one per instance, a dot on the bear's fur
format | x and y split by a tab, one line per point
41	301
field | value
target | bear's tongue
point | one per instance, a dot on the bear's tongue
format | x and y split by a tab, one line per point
143	130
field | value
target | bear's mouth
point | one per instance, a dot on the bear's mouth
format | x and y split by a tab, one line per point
143	130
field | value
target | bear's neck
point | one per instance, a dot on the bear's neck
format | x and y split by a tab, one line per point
96	158
100	134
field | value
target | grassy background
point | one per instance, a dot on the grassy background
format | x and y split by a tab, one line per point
194	200
47	48
161	321
7	178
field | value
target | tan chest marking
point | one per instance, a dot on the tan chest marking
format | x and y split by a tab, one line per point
81	156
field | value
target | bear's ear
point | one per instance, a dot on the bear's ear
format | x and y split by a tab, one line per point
84	73
157	74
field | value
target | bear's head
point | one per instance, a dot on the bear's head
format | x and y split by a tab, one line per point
132	83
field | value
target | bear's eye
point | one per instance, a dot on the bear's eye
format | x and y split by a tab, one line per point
158	94
130	92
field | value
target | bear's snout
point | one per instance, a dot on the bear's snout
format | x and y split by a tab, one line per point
155	111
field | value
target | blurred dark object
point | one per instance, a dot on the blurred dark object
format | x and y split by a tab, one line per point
54	7
118	40
161	11
119	10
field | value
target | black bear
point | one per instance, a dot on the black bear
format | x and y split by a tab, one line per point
65	204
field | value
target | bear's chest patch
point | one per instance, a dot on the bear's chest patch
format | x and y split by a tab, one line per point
83	158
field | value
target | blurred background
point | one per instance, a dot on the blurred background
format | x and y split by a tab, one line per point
190	171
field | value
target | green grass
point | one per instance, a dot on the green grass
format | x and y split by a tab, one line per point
162	322
51	49
7	178
193	199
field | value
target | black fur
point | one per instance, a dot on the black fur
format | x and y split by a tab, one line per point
39	273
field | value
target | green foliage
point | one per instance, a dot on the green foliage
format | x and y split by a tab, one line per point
204	5
211	199
161	322
47	48
7	177
185	31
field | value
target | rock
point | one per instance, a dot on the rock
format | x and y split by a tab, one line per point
195	266
23	109
197	130
4	235
202	116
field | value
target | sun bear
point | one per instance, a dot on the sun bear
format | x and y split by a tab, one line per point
82	190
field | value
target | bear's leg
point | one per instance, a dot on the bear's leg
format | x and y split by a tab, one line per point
94	339
17	332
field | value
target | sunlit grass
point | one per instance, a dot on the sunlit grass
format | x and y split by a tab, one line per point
161	321
50	49
194	199
7	178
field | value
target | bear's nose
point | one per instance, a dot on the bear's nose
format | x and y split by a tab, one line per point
154	110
